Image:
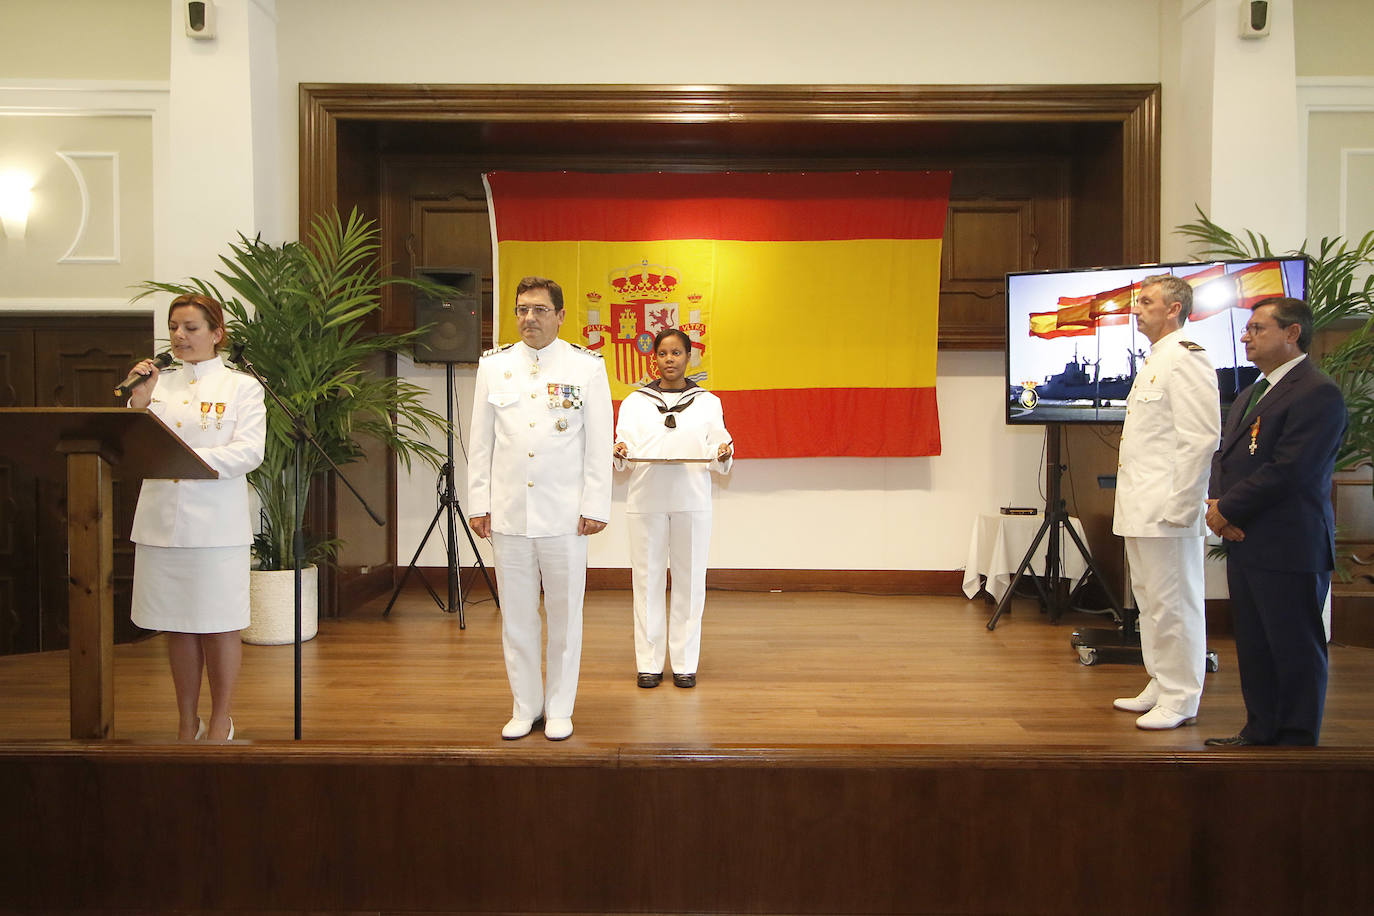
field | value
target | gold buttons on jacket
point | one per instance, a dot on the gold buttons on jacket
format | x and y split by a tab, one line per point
529	483
531	424
531	454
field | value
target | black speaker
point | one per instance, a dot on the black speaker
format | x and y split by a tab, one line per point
455	321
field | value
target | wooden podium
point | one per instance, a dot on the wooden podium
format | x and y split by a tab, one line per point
94	439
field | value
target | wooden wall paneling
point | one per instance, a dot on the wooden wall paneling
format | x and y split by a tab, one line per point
81	369
86	369
435	213
1002	217
359	178
49	362
19	629
16	367
1098	238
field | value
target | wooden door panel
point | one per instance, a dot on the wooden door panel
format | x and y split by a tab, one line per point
79	371
18	545
68	362
16	368
18	558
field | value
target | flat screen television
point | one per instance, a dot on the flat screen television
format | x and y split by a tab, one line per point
1073	348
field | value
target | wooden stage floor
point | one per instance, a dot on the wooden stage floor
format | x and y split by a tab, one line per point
810	669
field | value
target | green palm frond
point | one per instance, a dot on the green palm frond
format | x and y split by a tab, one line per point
300	310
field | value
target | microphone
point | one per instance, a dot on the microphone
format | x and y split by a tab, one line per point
236	353
162	361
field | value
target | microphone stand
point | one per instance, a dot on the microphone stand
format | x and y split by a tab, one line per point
299	435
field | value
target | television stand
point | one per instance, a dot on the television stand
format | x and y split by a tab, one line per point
1054	592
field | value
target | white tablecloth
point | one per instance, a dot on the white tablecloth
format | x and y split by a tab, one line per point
1000	542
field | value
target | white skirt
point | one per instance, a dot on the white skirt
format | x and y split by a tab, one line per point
191	589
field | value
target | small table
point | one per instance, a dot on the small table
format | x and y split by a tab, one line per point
999	544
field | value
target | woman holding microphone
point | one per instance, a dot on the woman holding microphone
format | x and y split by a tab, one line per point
672	432
192	537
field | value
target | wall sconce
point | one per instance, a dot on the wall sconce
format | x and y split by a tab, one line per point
16	197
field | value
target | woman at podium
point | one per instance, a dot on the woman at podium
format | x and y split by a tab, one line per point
671	433
192	537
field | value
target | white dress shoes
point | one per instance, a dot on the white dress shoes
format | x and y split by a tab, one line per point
1141	703
201	729
1161	718
557	729
517	727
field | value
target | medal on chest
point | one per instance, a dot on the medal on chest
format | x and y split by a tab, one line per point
567	397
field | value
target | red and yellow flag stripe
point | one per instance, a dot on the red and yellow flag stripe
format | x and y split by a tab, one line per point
812	299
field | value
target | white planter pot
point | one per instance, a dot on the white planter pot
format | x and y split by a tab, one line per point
273	598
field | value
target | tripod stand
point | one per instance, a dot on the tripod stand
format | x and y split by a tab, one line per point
448	508
1054	590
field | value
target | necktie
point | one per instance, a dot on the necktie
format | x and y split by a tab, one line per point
1260	388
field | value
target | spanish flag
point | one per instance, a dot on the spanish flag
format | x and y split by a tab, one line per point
1214	290
811	299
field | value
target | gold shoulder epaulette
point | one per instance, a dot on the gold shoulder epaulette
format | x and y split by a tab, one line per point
1195	347
497	349
596	353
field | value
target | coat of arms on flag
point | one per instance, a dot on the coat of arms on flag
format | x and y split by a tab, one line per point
636	303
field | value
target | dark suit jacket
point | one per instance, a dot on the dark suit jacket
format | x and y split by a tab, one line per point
1281	495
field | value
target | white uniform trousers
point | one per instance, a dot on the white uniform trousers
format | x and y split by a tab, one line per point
560	563
659	540
1167	579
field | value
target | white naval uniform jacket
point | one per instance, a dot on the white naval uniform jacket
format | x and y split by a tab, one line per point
540	454
1173	426
698	433
219	413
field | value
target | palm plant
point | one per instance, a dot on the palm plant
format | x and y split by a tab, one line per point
1340	289
299	310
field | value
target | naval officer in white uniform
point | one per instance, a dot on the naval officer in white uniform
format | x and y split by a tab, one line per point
192	537
539	483
1173	425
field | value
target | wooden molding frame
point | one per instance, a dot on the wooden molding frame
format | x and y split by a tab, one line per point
1133	106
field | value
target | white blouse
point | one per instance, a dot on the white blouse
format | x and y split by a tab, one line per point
220	414
698	431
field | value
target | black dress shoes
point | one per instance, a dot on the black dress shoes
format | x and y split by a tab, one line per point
650	680
685	680
1233	741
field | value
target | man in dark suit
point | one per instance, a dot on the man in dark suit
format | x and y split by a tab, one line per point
1271	501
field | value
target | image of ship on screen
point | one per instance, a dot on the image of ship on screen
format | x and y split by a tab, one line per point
1073	349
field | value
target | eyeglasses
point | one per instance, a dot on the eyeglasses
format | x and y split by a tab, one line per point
538	311
1252	329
